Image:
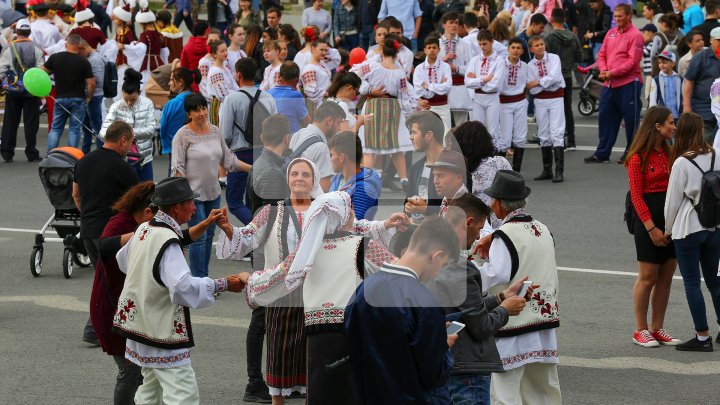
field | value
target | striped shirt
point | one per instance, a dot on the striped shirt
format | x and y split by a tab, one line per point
647	60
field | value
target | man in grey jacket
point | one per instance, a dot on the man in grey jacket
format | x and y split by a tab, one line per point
567	46
475	353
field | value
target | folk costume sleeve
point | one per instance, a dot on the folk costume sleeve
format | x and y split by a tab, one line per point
184	289
497	70
474	67
244	240
496	270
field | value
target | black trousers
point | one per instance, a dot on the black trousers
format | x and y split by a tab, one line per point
254	345
29	109
569	118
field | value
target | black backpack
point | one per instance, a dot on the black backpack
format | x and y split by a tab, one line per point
253	122
708	206
110	80
300	149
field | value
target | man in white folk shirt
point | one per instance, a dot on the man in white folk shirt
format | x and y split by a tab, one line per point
433	81
528	343
484	75
455	52
472	25
153	310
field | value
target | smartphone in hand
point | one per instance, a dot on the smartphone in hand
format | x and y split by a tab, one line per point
454	328
524	288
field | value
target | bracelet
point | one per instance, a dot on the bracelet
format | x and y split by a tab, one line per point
652	229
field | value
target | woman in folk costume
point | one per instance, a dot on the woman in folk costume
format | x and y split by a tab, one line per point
221	82
310	34
206	63
153	40
271	76
405	56
172	35
86	29
389	99
315	77
124	52
328	264
236	34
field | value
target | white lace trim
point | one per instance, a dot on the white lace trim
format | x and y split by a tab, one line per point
287	391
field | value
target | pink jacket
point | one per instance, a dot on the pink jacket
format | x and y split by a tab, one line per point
620	54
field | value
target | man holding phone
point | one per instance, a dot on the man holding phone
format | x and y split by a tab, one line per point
395	328
459	288
522	246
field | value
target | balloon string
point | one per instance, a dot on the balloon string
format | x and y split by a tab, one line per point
78	119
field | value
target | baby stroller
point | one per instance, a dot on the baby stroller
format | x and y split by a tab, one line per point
57	176
589	92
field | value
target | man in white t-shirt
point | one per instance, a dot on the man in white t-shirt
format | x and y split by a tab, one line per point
325	124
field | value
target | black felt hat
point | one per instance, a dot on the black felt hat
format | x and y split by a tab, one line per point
509	186
173	190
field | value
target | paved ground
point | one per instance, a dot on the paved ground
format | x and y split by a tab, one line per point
41	319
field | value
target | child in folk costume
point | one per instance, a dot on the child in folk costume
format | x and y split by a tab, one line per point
513	104
64	14
389	99
172	35
549	109
315	76
85	29
484	75
433	81
405	56
311	34
236	34
271	53
220	79
126	54
455	53
206	62
153	40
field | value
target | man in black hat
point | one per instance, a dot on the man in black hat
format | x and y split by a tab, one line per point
153	309
527	345
449	176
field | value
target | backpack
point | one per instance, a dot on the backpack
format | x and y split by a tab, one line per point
708	206
630	216
300	150
253	122
12	82
110	80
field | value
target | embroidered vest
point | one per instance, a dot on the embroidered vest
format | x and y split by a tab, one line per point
332	281
532	251
145	312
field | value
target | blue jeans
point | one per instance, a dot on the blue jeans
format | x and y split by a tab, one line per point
350	42
201	249
366	39
617	104
179	18
235	192
67	108
93	120
469	389
700	250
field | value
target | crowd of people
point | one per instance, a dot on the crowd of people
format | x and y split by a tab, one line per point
304	129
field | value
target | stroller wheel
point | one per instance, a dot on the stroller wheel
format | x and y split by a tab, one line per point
67	263
36	259
586	107
595	103
81	259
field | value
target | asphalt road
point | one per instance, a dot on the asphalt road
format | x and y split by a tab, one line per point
41	319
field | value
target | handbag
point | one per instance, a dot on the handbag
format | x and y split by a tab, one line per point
630	215
12	84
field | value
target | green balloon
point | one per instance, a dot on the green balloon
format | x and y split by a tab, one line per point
37	82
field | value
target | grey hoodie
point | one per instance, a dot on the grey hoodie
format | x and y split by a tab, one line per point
566	45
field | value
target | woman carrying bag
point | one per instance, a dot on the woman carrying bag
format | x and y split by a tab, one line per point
697	246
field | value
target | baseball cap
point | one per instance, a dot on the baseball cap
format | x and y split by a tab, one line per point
23	24
715	33
649	27
667	55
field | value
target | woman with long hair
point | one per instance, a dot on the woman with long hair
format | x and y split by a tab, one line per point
198	150
139	112
206	62
236	35
343	90
132	209
288	34
221	82
173	114
502	27
247	15
253	48
271	75
697	246
648	174
474	141
310	35
315	77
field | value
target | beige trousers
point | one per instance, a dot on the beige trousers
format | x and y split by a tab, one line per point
168	386
533	383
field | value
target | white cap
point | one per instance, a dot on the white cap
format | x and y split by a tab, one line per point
715	33
122	14
145	17
22	24
84	15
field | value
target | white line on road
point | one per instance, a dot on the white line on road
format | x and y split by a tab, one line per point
25	230
610	272
644	363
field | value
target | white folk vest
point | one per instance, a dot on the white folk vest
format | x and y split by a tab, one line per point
332	281
145	312
532	251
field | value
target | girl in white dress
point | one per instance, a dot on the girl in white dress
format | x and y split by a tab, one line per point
315	76
236	33
310	34
221	82
271	76
206	63
390	98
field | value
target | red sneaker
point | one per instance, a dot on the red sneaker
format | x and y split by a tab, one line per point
645	339
664	338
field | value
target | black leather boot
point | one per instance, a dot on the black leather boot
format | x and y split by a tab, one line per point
559	163
517	159
547	157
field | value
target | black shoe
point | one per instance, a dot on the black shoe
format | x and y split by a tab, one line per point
717	340
595	159
295	395
621	159
93	340
34	159
547	159
405	185
695	345
559	153
257	393
8	160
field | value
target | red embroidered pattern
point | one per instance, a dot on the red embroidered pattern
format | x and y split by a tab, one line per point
534	229
322	316
529	355
309	77
513	74
160	359
377	254
546	304
126	311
